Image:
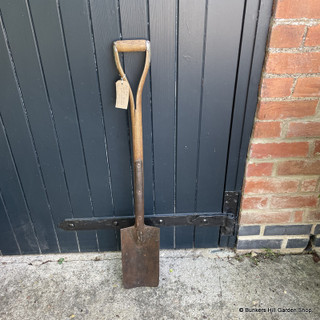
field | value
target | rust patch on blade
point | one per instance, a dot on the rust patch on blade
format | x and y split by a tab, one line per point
140	257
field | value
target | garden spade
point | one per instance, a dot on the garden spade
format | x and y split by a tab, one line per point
139	243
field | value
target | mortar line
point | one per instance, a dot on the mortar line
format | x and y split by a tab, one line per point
290	75
284	244
293	87
296	50
304	36
275	237
289	98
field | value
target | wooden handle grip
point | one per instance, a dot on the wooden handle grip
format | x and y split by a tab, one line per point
130	45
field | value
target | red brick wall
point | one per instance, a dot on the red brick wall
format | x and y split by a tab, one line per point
282	176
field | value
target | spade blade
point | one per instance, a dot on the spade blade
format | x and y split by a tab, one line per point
140	256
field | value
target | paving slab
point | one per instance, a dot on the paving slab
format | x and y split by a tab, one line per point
194	284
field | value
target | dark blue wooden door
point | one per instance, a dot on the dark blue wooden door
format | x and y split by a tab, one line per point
65	149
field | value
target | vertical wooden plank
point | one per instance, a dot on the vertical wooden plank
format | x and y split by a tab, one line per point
248	38
265	12
255	32
223	241
207	237
59	87
223	37
15	119
12	196
8	242
190	53
108	238
221	61
106	29
76	19
227	241
38	109
232	241
162	37
240	97
134	25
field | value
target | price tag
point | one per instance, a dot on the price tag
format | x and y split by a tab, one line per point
122	91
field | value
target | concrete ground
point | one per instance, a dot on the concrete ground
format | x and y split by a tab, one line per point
194	284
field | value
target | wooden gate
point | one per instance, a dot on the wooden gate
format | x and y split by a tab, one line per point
65	149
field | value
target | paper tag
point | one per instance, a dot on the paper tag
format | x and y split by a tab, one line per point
122	90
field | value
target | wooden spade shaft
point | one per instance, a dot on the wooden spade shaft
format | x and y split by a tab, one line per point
136	120
140	243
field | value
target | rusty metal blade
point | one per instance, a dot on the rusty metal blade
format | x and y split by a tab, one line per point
140	257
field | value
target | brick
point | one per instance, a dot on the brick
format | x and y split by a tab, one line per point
273	110
289	63
317	242
276	87
281	202
304	129
267	130
307	87
286	36
317	229
259	169
287	230
279	150
297	243
299	167
312	216
309	185
264	217
297	216
254	203
259	244
270	185
295	9
316	148
249	230
313	36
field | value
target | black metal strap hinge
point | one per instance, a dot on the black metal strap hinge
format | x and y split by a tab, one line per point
230	208
165	220
225	219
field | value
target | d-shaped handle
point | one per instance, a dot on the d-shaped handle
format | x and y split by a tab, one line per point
131	45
